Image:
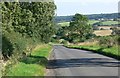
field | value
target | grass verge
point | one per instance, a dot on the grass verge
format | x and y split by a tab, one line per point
33	65
111	52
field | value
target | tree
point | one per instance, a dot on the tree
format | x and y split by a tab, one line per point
79	28
25	23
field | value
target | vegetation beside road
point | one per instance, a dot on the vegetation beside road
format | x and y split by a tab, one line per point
33	65
29	24
106	45
111	52
24	26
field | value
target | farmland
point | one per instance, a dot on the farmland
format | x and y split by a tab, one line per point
91	22
64	24
109	22
106	27
102	32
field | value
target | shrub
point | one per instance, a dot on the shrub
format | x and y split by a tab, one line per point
108	41
64	42
119	41
54	40
102	29
14	44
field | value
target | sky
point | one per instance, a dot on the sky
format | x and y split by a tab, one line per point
71	7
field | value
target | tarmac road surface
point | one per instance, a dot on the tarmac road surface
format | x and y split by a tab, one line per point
73	62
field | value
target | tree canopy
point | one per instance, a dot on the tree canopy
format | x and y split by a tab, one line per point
77	31
24	23
79	28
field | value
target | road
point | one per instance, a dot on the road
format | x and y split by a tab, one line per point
73	62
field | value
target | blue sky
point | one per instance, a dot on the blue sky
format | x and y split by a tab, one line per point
70	7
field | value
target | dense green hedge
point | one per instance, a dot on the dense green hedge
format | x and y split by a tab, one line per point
24	25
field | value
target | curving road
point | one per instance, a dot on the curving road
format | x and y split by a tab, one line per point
73	62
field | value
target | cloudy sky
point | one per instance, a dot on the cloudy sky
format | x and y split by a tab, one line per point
70	7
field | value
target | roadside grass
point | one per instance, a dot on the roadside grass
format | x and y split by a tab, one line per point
33	65
111	52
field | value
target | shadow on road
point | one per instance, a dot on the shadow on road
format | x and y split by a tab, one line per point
82	62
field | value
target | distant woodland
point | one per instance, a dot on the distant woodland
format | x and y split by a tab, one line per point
93	16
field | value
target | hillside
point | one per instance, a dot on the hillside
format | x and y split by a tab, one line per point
91	17
63	19
104	16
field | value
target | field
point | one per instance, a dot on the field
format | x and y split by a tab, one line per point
33	65
64	24
109	22
105	32
91	22
102	32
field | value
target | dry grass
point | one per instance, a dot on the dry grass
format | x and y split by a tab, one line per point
103	32
39	46
88	43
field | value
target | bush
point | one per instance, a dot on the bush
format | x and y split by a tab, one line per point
108	41
119	41
64	42
89	36
54	40
102	29
14	44
7	48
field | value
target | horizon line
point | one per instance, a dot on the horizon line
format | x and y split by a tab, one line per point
88	14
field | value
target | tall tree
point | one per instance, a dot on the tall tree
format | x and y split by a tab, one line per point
79	27
27	22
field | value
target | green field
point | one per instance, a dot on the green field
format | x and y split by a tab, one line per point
103	22
67	23
91	22
33	65
112	51
64	24
109	22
